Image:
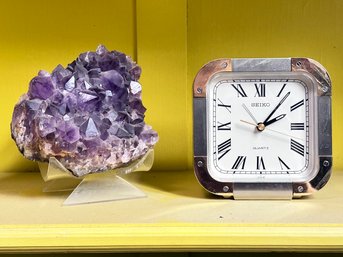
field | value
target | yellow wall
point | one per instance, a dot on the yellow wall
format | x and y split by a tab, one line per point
162	52
171	40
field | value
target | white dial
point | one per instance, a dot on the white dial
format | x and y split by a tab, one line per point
257	128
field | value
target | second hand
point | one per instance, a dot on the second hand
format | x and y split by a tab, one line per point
250	123
250	114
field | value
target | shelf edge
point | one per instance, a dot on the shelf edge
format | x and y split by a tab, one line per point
163	237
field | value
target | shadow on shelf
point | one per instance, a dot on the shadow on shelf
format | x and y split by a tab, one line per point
182	183
25	186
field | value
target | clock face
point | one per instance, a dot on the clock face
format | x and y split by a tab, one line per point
259	129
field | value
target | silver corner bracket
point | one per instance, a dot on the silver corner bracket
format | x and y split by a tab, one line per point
261	191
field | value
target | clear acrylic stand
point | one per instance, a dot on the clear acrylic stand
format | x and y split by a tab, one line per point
92	188
103	188
57	177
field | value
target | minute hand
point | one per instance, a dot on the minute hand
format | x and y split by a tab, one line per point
282	100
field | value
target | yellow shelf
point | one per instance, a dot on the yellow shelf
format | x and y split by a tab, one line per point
177	215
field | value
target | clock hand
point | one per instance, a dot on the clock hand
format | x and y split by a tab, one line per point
274	120
288	135
273	111
250	114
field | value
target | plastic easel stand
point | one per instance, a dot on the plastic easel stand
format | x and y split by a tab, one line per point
97	188
94	188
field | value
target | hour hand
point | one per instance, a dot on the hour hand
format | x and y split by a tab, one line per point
274	119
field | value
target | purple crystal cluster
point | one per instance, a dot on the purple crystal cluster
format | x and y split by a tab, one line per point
88	115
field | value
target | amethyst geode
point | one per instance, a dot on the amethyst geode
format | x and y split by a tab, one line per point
89	115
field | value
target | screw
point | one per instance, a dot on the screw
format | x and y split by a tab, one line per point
200	164
300	189
326	163
224	65
325	89
199	90
298	64
226	189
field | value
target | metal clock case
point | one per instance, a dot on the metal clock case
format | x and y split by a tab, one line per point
262	127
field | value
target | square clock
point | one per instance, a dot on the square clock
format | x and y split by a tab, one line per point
262	127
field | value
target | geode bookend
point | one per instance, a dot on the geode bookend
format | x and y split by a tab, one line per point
89	115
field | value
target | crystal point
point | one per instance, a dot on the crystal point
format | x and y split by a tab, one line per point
91	130
87	85
101	50
112	80
41	86
70	85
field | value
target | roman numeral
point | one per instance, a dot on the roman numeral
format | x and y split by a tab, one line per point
297	105
297	126
240	90
224	148
225	126
226	106
260	90
297	147
284	85
260	163
240	162
282	163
